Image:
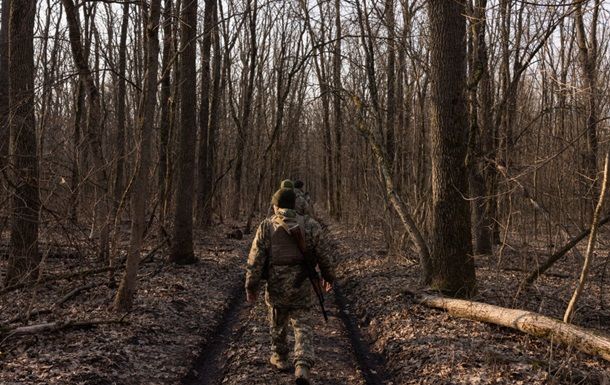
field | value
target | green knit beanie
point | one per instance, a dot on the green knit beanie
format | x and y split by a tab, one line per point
286	183
284	198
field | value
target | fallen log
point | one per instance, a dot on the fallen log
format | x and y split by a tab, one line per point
586	340
58	325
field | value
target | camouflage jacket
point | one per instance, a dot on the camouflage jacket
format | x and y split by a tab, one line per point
287	286
303	204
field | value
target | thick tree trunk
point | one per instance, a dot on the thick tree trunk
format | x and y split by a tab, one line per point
451	254
182	240
588	341
23	253
124	297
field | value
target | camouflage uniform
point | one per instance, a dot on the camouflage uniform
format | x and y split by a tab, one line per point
303	203
289	293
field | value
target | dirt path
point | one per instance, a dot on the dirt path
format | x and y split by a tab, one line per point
240	352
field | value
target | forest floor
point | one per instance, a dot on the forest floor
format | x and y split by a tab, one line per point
177	309
191	326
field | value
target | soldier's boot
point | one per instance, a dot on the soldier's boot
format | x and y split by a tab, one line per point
279	362
301	374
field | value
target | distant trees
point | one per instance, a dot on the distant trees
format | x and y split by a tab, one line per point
343	95
23	252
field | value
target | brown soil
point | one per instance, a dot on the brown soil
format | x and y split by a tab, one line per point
176	310
245	356
425	346
190	324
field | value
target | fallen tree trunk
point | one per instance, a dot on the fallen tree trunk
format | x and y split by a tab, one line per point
59	325
585	340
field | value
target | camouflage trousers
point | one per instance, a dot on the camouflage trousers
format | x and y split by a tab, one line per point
301	321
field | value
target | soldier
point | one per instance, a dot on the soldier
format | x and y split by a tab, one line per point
276	257
303	204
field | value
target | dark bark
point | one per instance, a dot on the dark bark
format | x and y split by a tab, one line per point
4	83
338	113
244	125
182	240
213	123
94	125
166	109
23	253
119	174
203	187
451	254
480	125
390	135
587	55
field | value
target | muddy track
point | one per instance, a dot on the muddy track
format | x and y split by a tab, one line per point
371	364
239	350
209	365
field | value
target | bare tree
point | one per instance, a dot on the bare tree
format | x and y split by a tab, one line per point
124	297
94	127
203	187
182	240
338	113
451	254
23	254
4	82
588	52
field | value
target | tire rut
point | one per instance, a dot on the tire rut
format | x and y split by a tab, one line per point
239	352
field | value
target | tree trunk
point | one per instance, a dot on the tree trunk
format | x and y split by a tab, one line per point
588	341
213	123
480	124
338	113
390	136
166	110
451	254
124	297
588	48
4	83
23	253
590	247
244	125
204	114
182	240
94	125
119	184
